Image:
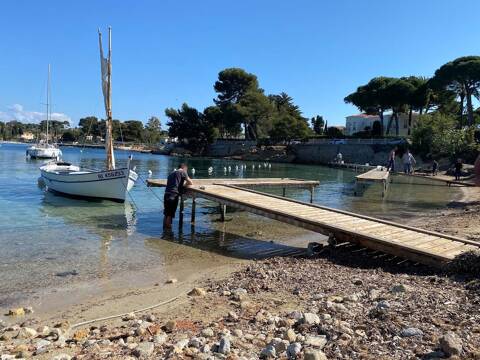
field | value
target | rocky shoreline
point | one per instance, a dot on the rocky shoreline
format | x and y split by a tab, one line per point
342	303
327	307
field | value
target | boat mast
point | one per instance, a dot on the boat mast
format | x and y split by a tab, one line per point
106	65
48	99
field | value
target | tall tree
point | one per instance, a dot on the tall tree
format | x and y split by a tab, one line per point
318	124
190	127
371	98
153	130
397	96
462	76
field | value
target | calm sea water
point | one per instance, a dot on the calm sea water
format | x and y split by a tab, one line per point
45	237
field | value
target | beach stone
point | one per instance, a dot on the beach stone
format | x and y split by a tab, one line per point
205	349
80	334
290	335
170	325
195	343
357	282
268	353
7	357
335	299
129	317
383	305
16	312
237	332
197	292
62	357
28	310
224	346
318	341
26	333
374	294
144	349
314	355
160	339
399	288
181	344
296	315
294	350
207	332
172	281
41	344
280	345
351	298
43	330
411	331
310	319
451	344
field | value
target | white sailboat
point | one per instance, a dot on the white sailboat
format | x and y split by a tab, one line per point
45	150
111	183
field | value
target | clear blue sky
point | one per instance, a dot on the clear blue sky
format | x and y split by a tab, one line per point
170	51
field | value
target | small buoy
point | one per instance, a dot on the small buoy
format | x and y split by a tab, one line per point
134	168
253	167
260	166
229	168
193	171
224	169
269	166
150	173
236	167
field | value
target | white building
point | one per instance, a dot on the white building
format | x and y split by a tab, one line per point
364	122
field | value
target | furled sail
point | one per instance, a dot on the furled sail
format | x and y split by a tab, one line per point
106	72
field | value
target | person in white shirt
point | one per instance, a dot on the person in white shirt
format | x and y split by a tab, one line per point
408	162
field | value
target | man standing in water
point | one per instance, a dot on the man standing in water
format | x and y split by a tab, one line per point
176	182
391	160
408	162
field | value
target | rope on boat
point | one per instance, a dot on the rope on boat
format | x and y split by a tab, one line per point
83	323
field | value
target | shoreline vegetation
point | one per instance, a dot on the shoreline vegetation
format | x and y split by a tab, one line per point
328	306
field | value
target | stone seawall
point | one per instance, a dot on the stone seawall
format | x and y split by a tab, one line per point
374	154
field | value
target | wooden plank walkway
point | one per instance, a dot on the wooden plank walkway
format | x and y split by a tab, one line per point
411	243
447	180
373	176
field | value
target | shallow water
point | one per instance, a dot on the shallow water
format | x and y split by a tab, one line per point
48	241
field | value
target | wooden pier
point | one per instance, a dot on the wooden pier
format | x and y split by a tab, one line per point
373	176
407	242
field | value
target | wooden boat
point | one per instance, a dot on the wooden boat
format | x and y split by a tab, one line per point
110	183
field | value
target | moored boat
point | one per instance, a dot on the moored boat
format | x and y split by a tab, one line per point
111	183
45	150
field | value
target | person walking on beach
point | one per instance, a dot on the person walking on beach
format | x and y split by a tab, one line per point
458	169
176	183
408	161
391	160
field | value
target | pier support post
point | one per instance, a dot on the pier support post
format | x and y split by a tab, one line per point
182	207
223	211
194	205
284	192
312	190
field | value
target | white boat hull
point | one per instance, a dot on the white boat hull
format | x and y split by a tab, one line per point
38	152
70	180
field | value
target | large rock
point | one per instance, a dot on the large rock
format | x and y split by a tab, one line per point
314	355
290	335
208	332
224	346
27	333
268	353
310	319
411	331
318	341
294	350
144	350
62	357
451	344
197	292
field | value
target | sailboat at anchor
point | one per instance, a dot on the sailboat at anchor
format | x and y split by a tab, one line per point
111	183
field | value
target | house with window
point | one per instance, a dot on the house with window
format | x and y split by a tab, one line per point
364	122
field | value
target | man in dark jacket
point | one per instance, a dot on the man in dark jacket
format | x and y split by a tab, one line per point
176	183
